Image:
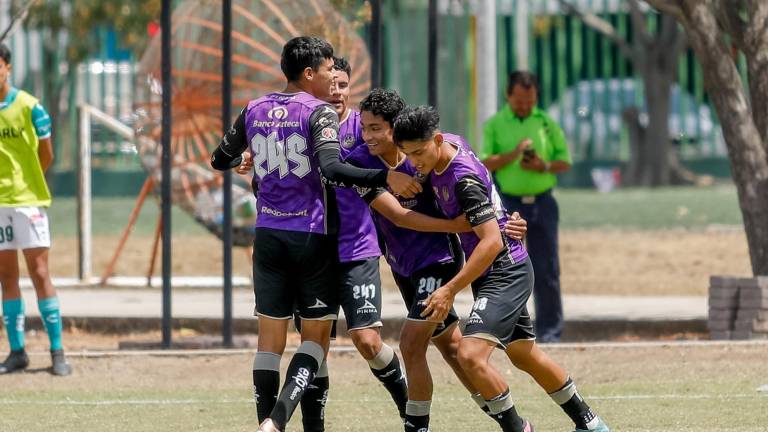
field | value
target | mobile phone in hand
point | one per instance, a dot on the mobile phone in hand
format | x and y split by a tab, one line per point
529	154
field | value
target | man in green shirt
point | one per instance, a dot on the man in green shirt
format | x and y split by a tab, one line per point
526	149
25	154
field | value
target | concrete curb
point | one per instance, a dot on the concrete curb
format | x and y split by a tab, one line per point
575	330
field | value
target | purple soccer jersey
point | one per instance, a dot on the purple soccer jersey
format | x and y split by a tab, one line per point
357	234
291	194
466	164
407	251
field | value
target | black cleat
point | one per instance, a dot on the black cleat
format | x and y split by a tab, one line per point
60	366
16	361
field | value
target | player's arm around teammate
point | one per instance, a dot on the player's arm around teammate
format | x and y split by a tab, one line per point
501	278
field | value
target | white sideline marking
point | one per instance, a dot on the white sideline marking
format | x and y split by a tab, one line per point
115	402
351	348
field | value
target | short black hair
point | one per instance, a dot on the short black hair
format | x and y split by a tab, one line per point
341	64
416	124
521	78
384	103
303	52
5	53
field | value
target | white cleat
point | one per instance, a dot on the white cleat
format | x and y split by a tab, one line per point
268	426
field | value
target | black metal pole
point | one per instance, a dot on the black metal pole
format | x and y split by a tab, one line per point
165	23
375	43
226	118
432	54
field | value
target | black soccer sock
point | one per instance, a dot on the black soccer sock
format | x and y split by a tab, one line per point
266	382
313	401
386	367
502	409
417	416
571	402
301	371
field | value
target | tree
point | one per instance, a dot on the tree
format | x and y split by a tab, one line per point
714	27
67	32
653	160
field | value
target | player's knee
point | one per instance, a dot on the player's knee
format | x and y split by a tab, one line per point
367	341
523	356
450	352
39	273
9	274
8	277
412	345
469	360
524	363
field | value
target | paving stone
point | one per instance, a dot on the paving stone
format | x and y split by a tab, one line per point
720	335
722	292
724	303
722	314
719	325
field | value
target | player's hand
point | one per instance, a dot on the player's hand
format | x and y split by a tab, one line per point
523	144
516	227
438	305
461	223
402	184
533	163
246	165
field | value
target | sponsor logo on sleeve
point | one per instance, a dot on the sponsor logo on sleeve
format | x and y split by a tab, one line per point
329	133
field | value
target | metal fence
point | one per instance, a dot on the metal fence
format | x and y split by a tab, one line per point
585	82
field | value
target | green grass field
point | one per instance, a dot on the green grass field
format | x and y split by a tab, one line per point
673	388
642	209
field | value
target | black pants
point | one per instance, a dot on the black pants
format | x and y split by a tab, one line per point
542	215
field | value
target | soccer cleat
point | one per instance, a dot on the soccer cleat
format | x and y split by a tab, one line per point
60	367
599	427
527	426
16	361
268	426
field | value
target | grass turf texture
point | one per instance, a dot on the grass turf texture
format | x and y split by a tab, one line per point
635	388
645	209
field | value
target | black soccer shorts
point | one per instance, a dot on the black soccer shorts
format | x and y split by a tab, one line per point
360	293
294	269
499	313
416	288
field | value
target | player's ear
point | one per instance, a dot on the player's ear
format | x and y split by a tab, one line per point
438	138
308	73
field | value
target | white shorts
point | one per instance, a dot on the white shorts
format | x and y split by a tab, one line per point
24	228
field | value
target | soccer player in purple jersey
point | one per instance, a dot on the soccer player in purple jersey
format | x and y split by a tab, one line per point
360	279
292	137
498	270
420	261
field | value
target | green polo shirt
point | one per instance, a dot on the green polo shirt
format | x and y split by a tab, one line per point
505	130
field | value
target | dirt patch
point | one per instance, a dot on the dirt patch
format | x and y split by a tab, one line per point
670	262
601	262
